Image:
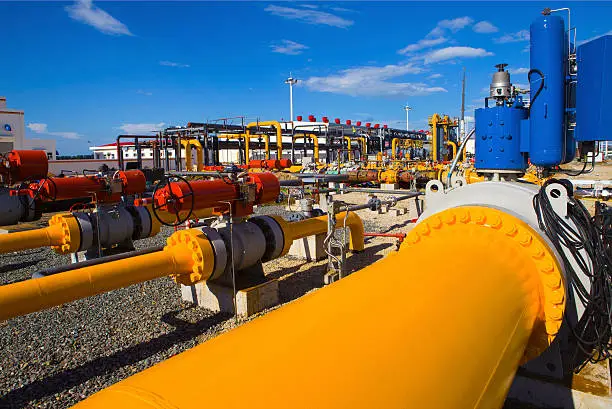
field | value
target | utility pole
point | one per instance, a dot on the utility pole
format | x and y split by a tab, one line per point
462	123
291	81
407	109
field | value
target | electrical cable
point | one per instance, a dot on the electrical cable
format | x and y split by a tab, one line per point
531	71
586	253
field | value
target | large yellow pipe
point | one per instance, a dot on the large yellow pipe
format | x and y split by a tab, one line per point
476	320
188	254
279	135
199	154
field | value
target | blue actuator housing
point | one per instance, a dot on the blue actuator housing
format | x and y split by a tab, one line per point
498	137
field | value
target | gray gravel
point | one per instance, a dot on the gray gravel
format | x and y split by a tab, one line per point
57	357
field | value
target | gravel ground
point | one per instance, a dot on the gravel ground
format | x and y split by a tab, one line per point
57	357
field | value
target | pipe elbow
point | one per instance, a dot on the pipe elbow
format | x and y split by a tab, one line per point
355	226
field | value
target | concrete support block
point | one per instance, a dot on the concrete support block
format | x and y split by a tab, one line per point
309	248
399	212
389	186
220	297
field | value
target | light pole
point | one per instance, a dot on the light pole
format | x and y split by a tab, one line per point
291	81
407	109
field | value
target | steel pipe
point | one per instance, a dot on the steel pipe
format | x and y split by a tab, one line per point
488	315
188	252
318	225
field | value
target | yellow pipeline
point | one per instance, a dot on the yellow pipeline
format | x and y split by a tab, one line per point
453	145
315	141
63	235
186	144
250	136
318	225
188	254
349	150
199	154
279	135
477	320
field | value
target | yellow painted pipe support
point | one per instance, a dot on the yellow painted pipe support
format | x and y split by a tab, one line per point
318	225
188	254
62	234
476	320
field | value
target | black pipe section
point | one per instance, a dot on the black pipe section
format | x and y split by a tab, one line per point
96	261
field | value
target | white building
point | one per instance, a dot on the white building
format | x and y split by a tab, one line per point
12	133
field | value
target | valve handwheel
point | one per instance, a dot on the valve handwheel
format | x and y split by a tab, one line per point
172	201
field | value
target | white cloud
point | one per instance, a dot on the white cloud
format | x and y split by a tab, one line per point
143	92
41	128
485	27
449	53
288	47
434	76
309	6
166	63
424	43
437	35
85	12
133	129
453	25
372	81
521	70
342	10
522	35
309	16
37	127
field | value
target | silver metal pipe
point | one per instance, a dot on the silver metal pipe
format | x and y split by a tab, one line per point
456	159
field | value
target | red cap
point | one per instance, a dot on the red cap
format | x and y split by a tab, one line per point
348	121
299	117
337	120
368	124
358	123
325	119
311	118
376	126
385	126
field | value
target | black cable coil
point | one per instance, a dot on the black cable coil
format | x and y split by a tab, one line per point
588	247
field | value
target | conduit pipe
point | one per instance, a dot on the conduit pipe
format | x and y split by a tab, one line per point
188	255
188	252
318	225
315	141
62	228
501	309
453	146
249	136
279	135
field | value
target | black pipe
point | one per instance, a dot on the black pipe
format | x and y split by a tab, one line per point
96	261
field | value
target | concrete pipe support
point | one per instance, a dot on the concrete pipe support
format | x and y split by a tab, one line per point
477	321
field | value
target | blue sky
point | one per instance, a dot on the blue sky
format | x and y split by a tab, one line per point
87	71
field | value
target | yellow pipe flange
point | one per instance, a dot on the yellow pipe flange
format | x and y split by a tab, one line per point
518	233
191	244
71	233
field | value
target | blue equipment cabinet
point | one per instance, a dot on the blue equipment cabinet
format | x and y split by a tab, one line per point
547	85
594	91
